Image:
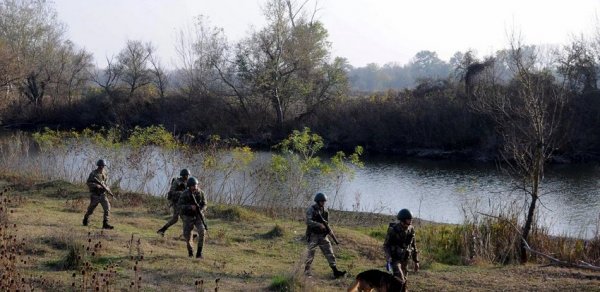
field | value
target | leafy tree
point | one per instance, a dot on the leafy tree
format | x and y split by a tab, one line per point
426	64
286	64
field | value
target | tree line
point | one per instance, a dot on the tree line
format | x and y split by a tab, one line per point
281	77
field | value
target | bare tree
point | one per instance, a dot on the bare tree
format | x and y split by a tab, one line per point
528	113
133	62
107	78
579	66
160	78
200	50
69	71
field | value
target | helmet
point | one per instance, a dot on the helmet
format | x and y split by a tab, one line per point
192	181
404	214
184	172
101	163
320	197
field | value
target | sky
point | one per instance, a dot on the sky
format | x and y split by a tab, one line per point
362	31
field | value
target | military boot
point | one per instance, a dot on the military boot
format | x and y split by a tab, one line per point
85	221
337	273
199	252
161	232
105	225
307	272
190	252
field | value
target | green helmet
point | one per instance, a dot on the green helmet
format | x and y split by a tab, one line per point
100	162
192	181
320	197
184	172
404	214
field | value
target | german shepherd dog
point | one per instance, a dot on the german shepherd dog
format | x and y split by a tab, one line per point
378	280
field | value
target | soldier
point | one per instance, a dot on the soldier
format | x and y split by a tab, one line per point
400	245
96	182
177	187
316	235
192	203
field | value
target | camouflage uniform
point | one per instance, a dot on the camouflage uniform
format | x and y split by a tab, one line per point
191	218
177	187
98	195
399	246
317	237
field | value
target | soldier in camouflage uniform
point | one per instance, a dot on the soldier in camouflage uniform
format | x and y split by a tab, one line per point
98	194
177	187
316	235
400	245
191	202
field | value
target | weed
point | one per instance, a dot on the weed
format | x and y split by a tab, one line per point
282	283
75	205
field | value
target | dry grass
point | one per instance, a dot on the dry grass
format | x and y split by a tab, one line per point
245	251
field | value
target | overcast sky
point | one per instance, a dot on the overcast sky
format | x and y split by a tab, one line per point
363	31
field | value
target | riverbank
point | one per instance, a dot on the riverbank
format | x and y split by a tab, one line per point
246	249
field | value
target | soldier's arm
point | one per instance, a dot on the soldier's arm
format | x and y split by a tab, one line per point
387	248
415	253
174	185
202	201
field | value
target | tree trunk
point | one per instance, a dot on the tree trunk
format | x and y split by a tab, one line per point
536	177
278	109
527	229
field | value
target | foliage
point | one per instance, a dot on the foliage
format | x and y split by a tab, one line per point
152	136
299	164
282	283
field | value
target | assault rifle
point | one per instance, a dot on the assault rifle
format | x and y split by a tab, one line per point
104	187
199	211
329	231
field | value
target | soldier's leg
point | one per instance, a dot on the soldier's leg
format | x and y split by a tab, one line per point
172	221
105	207
94	200
397	271
313	242
201	232
327	250
188	226
404	269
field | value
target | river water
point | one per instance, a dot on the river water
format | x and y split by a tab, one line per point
444	191
441	191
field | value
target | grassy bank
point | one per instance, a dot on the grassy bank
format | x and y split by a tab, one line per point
46	247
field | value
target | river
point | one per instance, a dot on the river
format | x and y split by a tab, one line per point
436	190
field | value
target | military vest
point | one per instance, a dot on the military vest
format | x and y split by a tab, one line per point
317	218
400	240
177	187
91	181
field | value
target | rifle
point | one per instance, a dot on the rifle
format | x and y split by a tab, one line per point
329	231
199	211
106	188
